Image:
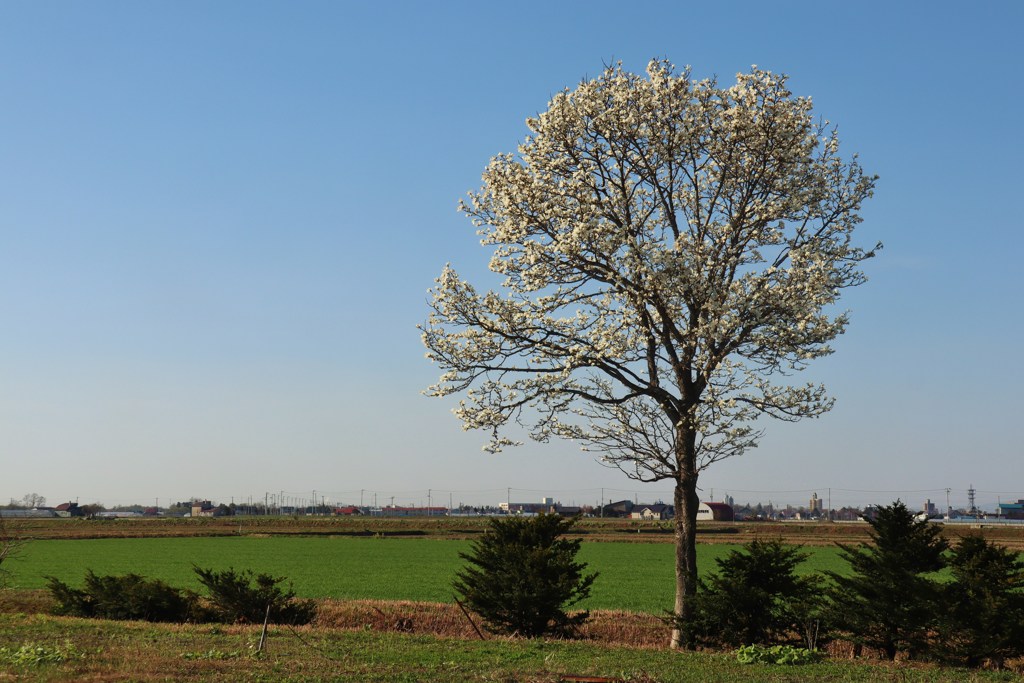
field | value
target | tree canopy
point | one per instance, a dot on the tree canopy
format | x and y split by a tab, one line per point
671	251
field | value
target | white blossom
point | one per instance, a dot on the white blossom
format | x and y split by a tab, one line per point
672	251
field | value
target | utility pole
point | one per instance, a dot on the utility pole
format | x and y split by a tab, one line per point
602	502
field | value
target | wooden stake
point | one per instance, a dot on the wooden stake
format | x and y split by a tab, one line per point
469	618
263	635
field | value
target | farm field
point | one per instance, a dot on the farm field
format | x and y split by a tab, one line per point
633	576
395	558
369	581
589	529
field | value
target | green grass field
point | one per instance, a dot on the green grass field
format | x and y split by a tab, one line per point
135	651
633	576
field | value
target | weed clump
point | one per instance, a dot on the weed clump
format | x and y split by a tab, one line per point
785	655
30	654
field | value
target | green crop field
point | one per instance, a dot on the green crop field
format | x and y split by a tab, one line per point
633	576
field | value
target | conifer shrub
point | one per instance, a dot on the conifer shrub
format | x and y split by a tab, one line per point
245	597
522	575
234	597
756	597
983	619
888	601
125	597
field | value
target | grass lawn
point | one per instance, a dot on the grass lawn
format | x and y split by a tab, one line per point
44	649
633	576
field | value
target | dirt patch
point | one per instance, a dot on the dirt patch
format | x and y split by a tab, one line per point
604	626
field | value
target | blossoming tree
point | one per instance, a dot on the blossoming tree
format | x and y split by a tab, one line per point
671	251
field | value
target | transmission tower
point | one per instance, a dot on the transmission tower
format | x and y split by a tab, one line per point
970	499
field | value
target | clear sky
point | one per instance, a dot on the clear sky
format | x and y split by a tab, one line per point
219	221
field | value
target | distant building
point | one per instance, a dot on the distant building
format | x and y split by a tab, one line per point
398	511
524	508
68	510
546	504
715	512
1012	510
930	509
28	514
203	508
654	511
621	508
816	506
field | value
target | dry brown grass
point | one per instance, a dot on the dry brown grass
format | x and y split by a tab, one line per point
26	601
591	529
610	627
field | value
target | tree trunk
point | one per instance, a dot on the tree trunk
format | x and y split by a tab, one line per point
686	504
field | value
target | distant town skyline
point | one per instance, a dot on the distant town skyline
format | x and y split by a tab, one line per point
831	498
218	223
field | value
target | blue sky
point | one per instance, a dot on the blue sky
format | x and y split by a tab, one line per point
219	220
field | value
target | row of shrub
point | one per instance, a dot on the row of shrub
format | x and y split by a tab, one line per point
895	600
233	597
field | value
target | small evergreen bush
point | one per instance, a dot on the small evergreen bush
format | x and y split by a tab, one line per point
983	619
522	575
235	597
888	602
756	597
242	597
126	597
